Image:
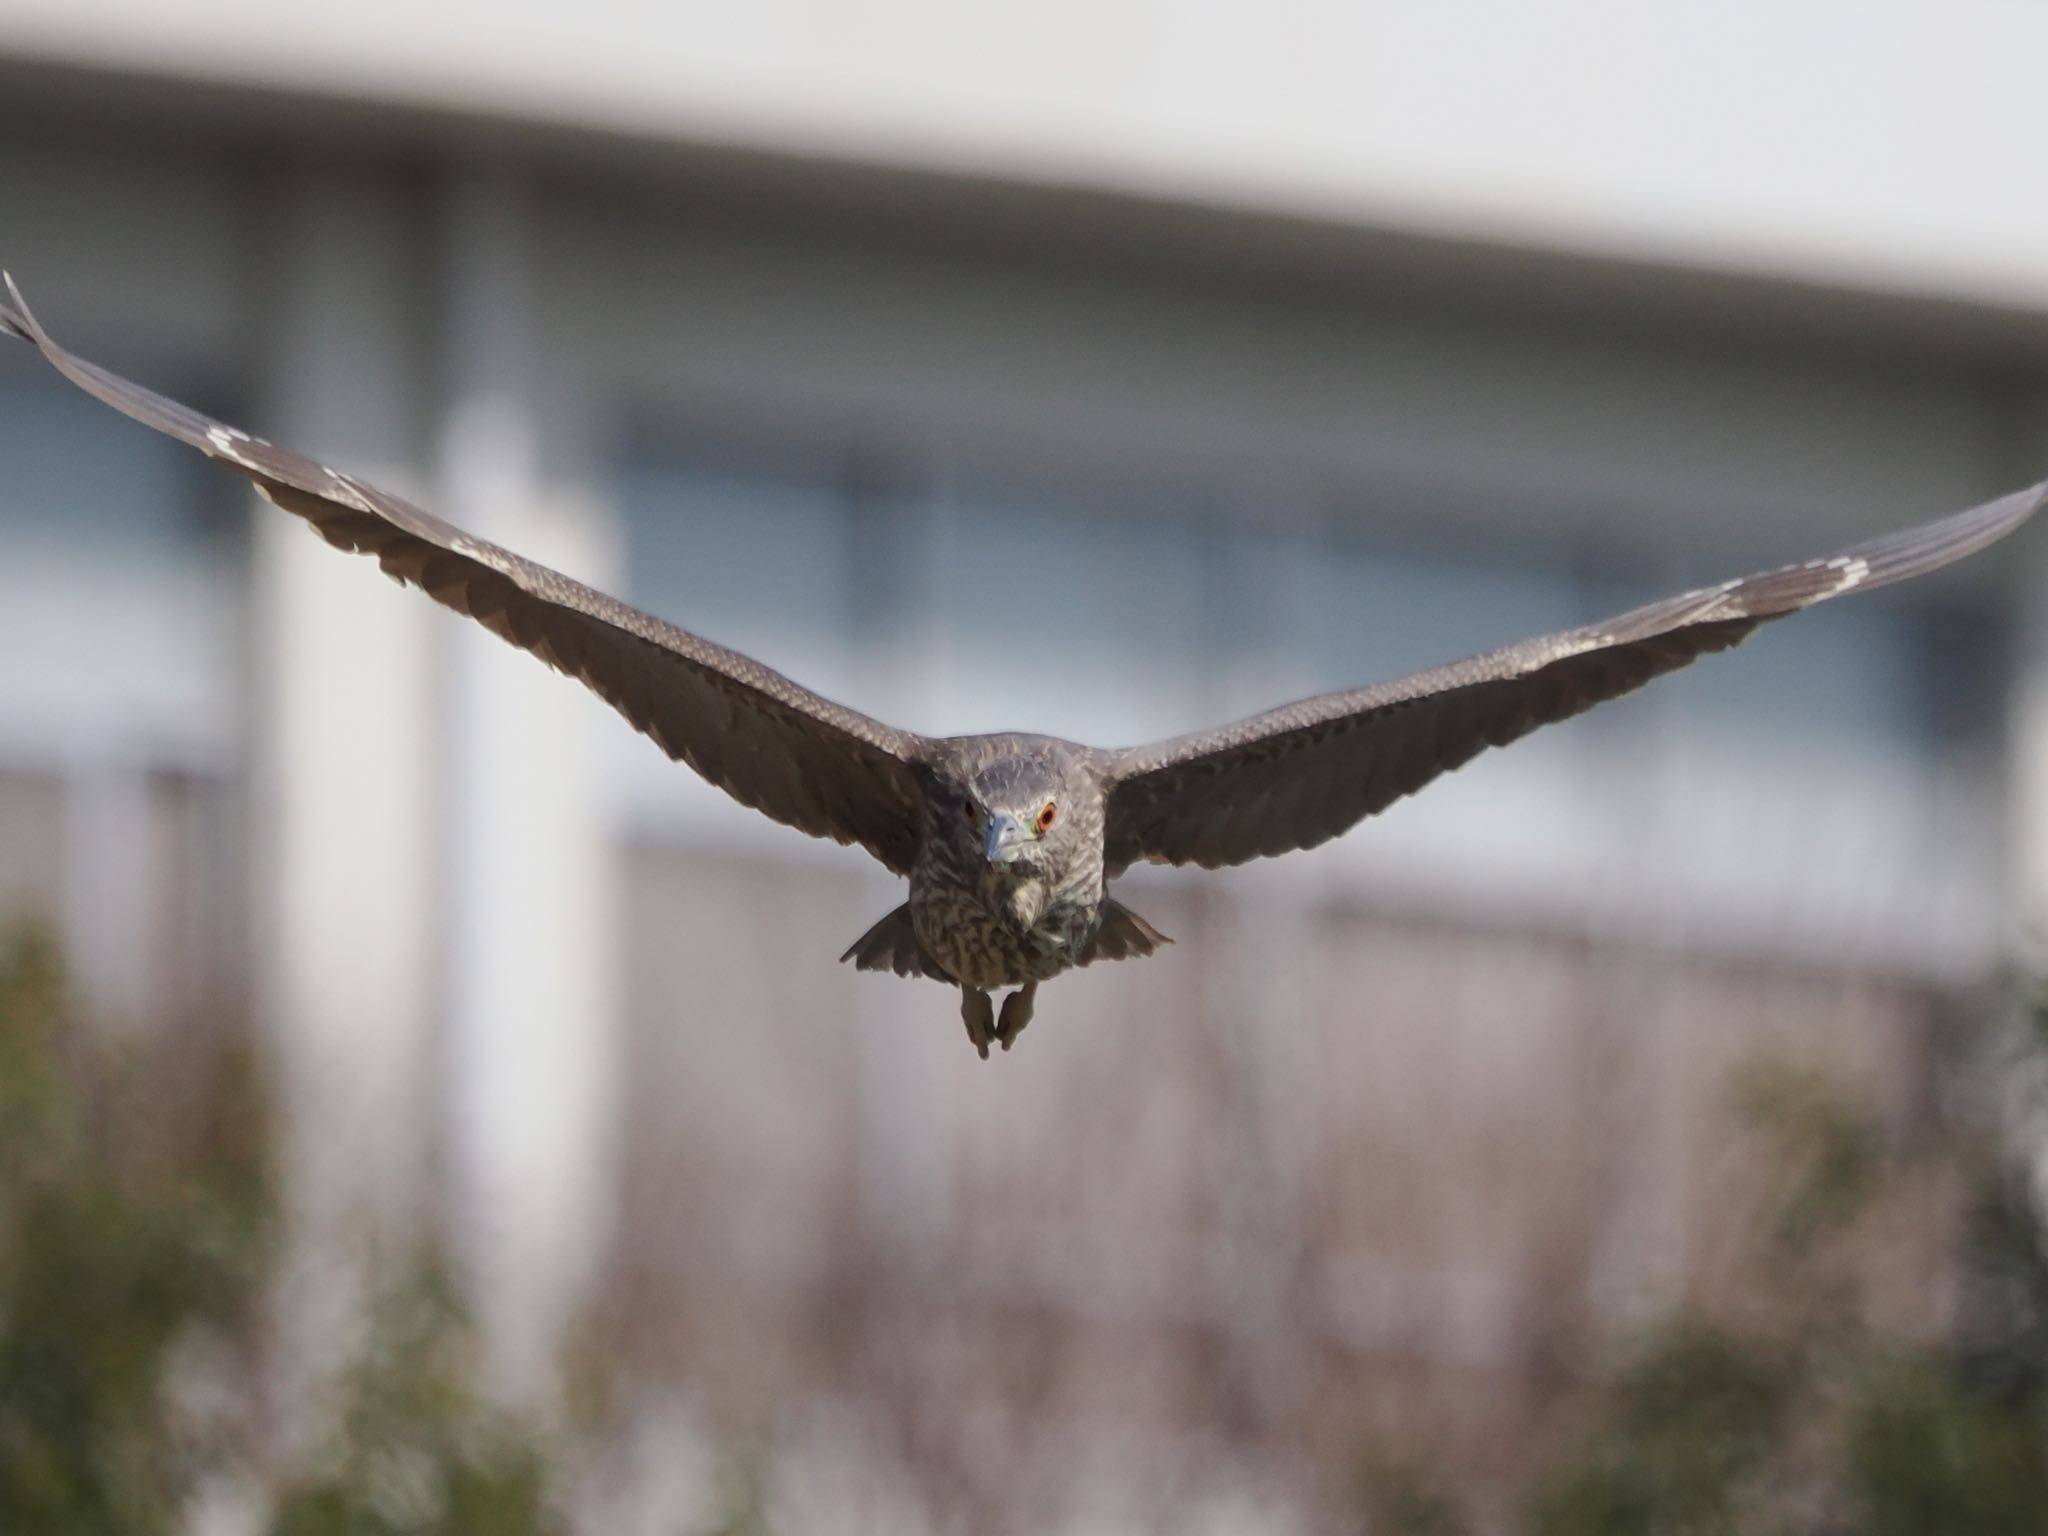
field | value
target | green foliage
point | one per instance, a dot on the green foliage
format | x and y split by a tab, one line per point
2001	1343
1690	1423
1810	1420
137	1219
1401	1498
137	1229
115	1243
743	1493
1927	1453
418	1454
1828	1152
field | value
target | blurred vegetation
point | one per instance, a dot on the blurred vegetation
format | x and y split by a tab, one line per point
138	1228
1790	1406
139	1236
1402	1498
119	1244
1801	1414
417	1453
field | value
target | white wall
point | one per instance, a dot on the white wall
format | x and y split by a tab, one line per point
1893	145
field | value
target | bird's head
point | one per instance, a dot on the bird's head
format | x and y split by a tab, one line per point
1024	812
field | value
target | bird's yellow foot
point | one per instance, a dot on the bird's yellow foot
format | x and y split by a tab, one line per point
979	1015
1016	1014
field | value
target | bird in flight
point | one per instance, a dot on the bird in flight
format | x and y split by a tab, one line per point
1009	841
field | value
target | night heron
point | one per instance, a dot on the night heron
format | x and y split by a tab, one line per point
1009	841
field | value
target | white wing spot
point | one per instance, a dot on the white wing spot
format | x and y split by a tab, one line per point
1714	602
227	442
1854	569
1569	646
346	489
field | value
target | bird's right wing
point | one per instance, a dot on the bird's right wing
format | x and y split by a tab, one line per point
1300	774
799	758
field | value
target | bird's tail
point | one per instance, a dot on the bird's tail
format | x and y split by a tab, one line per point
891	945
1123	935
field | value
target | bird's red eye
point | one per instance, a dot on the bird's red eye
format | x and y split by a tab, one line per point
1048	816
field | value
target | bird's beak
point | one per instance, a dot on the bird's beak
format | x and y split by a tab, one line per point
1006	837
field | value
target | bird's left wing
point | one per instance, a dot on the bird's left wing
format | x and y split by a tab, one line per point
1300	774
769	743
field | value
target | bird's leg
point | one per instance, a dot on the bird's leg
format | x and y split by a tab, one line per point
980	1017
1016	1013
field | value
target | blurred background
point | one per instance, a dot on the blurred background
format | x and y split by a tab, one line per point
433	1110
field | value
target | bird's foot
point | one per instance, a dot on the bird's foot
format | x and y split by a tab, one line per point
1016	1014
979	1015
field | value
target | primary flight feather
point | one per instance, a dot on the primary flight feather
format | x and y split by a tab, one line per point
1008	841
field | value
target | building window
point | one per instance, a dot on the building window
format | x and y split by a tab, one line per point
1797	790
122	574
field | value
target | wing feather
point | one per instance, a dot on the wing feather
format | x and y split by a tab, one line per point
766	741
1298	775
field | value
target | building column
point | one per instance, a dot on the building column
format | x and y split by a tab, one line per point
342	759
533	996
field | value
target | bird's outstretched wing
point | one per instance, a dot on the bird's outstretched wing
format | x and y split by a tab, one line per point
801	759
1300	774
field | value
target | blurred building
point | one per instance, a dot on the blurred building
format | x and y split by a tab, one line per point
1267	356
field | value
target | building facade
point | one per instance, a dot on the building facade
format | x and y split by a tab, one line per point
975	412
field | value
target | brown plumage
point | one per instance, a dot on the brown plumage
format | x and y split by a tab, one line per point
1008	840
